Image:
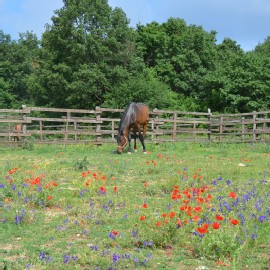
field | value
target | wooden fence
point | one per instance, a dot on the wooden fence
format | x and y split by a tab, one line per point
69	126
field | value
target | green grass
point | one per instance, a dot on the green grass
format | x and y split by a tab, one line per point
86	207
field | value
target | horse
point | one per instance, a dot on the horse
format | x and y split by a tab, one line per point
18	130
133	124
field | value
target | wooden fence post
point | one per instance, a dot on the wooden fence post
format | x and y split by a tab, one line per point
41	129
75	129
24	118
254	127
112	130
209	124
155	125
66	129
98	127
220	128
243	127
174	126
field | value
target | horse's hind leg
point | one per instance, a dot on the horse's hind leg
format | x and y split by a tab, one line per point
141	137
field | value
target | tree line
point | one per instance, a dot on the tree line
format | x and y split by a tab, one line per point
90	56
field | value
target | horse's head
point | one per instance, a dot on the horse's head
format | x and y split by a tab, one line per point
121	141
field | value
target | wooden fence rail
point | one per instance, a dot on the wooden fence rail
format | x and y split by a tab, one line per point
69	126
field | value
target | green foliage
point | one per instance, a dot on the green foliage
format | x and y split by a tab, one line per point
17	61
81	164
89	56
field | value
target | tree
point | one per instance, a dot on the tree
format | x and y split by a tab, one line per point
17	62
181	55
240	82
88	50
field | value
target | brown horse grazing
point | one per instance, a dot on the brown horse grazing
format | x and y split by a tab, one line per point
133	124
18	130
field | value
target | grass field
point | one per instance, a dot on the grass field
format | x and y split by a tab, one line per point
181	206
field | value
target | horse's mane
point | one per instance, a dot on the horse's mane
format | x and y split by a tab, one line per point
124	116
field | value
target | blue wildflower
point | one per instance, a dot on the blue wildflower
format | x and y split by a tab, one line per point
262	218
254	236
42	255
66	258
116	257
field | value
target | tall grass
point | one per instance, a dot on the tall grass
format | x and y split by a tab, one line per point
181	206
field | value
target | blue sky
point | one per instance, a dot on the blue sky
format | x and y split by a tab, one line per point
245	21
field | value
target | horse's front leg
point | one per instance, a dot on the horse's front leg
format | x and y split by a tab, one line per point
135	143
129	143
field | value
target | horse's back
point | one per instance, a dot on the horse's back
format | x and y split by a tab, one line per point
143	113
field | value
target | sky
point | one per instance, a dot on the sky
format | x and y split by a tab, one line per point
244	21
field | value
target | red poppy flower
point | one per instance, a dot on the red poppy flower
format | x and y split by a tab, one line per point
199	200
102	189
234	221
178	222
172	214
233	195
145	205
49	197
164	215
195	218
219	217
158	224
114	189
142	217
197	209
205	226
174	197
202	230
215	225
114	233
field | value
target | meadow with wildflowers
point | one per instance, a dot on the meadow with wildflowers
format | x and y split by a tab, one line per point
181	206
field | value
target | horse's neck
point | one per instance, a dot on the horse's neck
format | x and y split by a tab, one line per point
124	130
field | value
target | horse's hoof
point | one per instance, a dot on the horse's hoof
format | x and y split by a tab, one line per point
145	152
129	153
135	150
